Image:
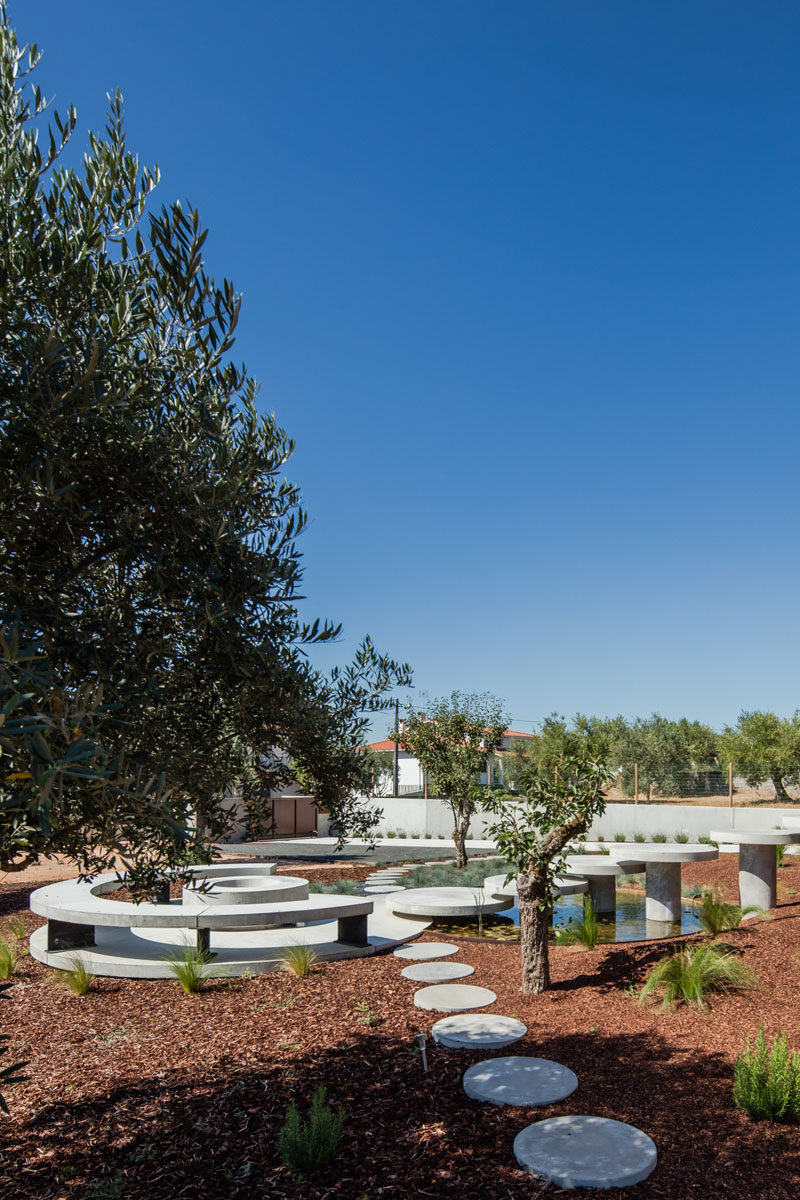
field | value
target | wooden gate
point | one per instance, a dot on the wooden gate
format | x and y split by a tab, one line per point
293	816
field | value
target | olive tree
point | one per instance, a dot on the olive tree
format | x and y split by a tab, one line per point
452	740
762	746
152	657
533	833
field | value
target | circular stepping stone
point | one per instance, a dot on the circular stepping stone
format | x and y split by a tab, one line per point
479	1031
575	1152
453	997
425	950
380	889
436	972
519	1080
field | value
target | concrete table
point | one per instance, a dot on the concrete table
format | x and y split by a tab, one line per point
758	877
662	862
602	870
444	902
495	885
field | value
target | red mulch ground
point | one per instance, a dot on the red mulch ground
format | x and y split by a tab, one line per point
170	1096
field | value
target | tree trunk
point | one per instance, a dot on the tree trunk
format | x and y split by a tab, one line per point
780	791
534	922
460	842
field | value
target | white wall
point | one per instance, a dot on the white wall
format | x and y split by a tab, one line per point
415	816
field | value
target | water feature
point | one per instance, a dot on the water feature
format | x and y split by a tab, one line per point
628	924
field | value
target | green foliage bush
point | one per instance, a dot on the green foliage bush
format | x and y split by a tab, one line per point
639	837
688	974
77	979
682	838
9	956
449	875
620	837
659	837
584	931
306	1145
718	916
298	960
766	1080
192	969
342	887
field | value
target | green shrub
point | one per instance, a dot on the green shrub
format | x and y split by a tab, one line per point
693	891
192	969
342	887
682	838
705	840
306	1145
391	834
766	1080
780	852
659	837
298	960
17	927
718	916
688	974
77	979
600	837
584	931
9	957
620	837
639	837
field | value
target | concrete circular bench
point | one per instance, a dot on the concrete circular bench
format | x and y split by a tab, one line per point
602	871
126	939
662	862
758	878
443	902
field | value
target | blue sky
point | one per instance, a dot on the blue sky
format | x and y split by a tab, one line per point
522	281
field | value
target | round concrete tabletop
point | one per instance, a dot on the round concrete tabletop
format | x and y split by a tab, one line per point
756	837
496	886
602	864
436	972
426	950
668	852
445	902
519	1080
478	1031
453	997
575	1152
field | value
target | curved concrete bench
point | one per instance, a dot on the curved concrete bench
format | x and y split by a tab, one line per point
74	909
565	886
602	870
662	863
758	876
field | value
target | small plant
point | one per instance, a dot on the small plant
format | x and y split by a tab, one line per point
441	837
77	978
9	957
688	974
620	837
8	1075
306	1145
693	891
682	838
401	833
766	1080
601	837
638	837
366	1015
428	836
718	916
705	840
17	927
192	969
298	960
391	833
659	837
111	1188
342	887
780	853
584	931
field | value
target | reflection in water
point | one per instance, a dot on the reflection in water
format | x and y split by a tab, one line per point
628	924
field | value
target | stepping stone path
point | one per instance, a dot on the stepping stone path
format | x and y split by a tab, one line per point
436	972
426	950
453	997
478	1031
574	1152
385	881
380	889
520	1080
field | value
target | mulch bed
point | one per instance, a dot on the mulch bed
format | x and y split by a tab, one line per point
137	1091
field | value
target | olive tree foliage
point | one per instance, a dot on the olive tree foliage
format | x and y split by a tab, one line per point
666	752
151	653
451	741
532	832
763	746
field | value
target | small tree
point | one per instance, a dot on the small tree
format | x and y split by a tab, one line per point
451	741
533	833
764	746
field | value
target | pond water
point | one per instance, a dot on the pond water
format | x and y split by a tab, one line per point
628	924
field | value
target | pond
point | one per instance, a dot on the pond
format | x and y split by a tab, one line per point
628	924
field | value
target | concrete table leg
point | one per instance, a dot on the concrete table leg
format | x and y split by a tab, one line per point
663	891
204	941
603	893
68	935
758	882
353	931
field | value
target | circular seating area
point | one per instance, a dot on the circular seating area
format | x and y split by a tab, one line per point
242	914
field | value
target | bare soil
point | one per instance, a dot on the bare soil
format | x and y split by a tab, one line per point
137	1091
